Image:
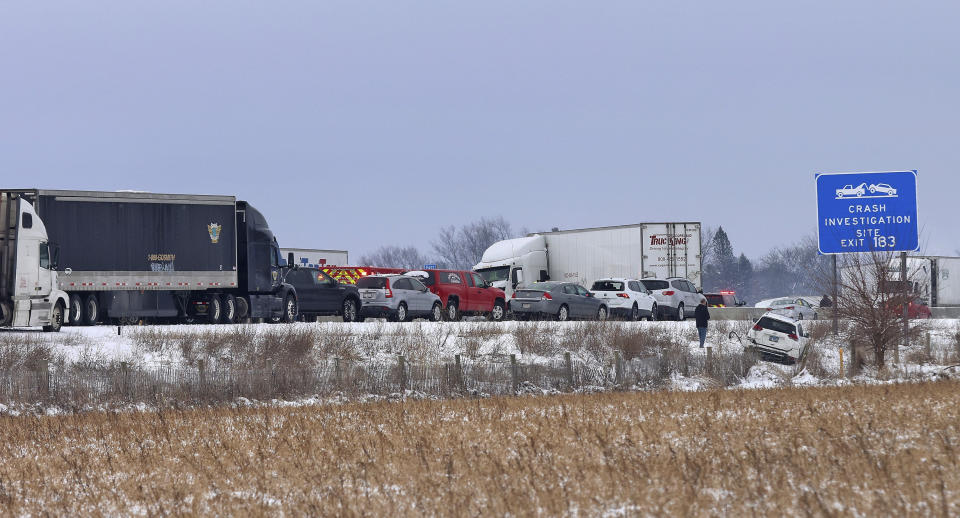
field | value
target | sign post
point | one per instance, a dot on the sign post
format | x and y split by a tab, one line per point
868	212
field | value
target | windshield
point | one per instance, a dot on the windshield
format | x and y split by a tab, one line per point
656	285
500	273
607	286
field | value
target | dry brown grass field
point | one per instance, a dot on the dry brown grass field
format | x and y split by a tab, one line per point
891	450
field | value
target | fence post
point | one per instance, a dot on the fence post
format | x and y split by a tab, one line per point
569	368
202	375
841	362
513	373
402	363
710	359
618	368
459	372
336	373
124	380
43	378
927	347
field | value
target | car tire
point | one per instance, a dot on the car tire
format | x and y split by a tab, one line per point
498	313
634	313
229	310
680	315
290	309
402	315
56	319
654	315
215	309
350	310
453	311
91	310
563	314
602	314
75	316
436	312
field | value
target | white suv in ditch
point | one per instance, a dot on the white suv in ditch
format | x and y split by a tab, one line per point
778	337
626	298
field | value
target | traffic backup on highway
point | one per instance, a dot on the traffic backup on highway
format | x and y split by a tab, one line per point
89	257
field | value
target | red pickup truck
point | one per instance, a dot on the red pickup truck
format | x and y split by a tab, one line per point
464	292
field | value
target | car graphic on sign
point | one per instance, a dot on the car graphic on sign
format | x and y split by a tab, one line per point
882	188
849	191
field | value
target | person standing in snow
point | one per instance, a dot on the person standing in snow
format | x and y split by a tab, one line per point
702	315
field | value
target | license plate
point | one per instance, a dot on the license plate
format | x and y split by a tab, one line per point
368	295
773	338
525	306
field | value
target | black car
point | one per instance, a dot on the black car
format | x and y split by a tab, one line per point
319	294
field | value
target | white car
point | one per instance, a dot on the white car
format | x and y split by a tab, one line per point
778	337
882	188
676	296
849	190
626	298
796	308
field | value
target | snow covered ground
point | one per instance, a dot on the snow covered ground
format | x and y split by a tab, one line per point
422	342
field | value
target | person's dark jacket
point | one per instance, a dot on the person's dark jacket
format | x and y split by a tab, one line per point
702	315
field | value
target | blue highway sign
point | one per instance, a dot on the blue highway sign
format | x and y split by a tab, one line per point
866	212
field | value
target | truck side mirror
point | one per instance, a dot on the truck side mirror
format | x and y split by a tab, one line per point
290	259
54	256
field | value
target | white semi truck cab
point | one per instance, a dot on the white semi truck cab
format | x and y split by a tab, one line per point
29	294
514	262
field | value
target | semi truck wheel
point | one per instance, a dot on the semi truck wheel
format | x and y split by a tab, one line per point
75	317
56	319
243	308
229	310
91	310
289	309
215	309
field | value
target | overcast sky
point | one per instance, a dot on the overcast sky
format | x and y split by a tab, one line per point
357	124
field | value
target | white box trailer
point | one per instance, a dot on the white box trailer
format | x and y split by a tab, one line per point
585	255
316	258
934	279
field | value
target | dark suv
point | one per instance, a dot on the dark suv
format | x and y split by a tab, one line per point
319	294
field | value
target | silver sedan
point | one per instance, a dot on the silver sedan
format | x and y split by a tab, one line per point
560	300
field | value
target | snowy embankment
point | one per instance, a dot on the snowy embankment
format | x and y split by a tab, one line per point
606	356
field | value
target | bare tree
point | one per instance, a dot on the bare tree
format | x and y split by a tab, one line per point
395	257
463	247
870	296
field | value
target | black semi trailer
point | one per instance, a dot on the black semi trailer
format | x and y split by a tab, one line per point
126	256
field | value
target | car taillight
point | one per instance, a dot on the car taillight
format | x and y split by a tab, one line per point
514	295
756	327
546	296
388	293
668	293
793	336
788	307
623	295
